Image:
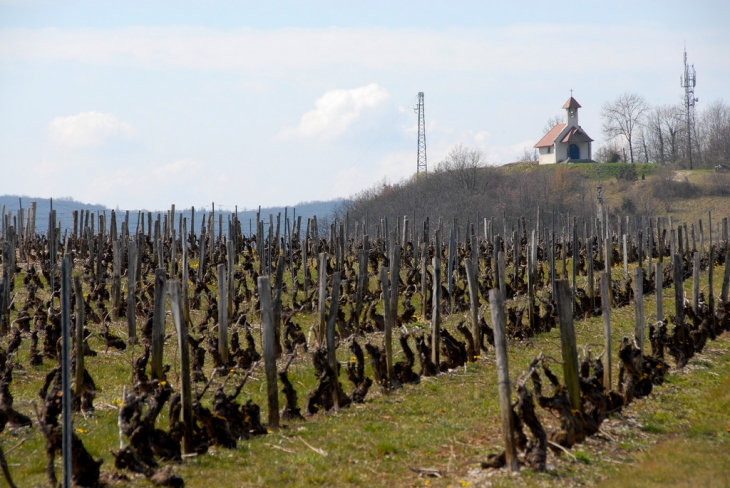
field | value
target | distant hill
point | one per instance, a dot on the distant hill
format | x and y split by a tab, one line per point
66	206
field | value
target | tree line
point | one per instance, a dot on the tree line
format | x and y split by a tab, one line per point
639	132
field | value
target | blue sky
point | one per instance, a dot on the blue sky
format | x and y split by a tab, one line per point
144	104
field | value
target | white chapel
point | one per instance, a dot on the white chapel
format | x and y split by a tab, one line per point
568	142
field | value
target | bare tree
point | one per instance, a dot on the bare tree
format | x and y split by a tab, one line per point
463	164
715	130
622	116
664	128
529	156
552	122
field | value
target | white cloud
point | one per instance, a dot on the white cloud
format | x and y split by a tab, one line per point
88	129
335	111
177	170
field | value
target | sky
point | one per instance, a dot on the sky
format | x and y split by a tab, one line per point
143	104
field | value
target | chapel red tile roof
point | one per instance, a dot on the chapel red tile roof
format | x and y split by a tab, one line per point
549	138
576	134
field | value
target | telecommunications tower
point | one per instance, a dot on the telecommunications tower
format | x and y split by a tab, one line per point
688	82
421	156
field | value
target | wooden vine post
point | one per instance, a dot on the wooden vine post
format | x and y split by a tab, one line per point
393	305
278	291
639	313
66	446
696	282
505	397
501	265
131	300
725	278
659	287
678	291
474	305
567	341
322	309
79	339
116	280
606	309
331	321
181	327
267	324
436	312
223	313
158	324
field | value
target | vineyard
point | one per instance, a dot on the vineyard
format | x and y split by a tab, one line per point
357	354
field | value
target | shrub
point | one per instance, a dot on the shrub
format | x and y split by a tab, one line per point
627	173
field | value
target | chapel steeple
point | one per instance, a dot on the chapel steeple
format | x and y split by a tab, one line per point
571	111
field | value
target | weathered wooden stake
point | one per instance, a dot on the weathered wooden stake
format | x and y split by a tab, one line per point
181	327
436	312
267	324
158	324
131	298
387	321
66	447
639	316
278	286
332	321
659	291
678	289
725	278
322	268
502	275
116	280
606	307
476	330
710	290
79	335
696	282
505	398
223	313
392	309
567	340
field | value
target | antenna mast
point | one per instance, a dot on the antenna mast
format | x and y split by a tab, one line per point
421	156
688	82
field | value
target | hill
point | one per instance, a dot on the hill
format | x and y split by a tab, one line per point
507	193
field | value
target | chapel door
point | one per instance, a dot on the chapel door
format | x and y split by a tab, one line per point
574	151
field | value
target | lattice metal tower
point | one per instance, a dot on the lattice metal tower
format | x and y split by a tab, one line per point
421	156
688	82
